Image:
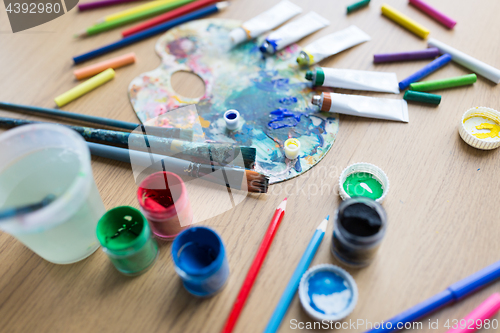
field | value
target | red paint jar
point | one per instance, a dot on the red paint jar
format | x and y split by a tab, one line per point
164	201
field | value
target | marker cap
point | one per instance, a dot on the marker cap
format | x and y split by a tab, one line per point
238	35
328	303
374	170
467	129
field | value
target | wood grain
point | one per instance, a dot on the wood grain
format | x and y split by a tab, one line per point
442	204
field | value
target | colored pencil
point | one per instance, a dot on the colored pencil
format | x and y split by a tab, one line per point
99	4
174	133
167	16
254	269
133	10
109	25
290	290
456	292
150	32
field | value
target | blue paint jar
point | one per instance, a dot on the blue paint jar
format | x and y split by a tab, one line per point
200	261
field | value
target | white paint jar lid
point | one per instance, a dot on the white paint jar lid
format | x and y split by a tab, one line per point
337	298
374	170
467	127
292	148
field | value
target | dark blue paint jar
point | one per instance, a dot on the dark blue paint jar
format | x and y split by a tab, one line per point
200	261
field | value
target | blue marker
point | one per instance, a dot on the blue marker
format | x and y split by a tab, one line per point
430	68
455	292
293	284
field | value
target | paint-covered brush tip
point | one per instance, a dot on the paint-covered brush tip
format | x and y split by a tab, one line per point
328	217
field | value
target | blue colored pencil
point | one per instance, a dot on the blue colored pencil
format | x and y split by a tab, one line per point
150	32
428	69
293	284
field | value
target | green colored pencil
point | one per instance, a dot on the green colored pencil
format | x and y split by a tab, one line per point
108	25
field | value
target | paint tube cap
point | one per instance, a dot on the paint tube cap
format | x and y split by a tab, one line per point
327	292
479	128
238	36
363	179
304	59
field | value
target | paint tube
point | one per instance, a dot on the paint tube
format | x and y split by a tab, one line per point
331	44
266	21
362	106
293	31
353	79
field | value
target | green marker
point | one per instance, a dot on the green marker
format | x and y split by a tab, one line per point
126	238
445	83
418	96
108	25
317	76
363	184
357	5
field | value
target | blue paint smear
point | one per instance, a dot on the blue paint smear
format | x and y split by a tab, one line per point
284	118
328	290
288	100
297	166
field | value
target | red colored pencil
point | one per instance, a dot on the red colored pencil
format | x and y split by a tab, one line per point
168	16
254	269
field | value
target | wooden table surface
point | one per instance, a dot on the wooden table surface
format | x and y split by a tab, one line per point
442	204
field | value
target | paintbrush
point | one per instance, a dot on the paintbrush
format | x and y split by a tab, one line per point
207	153
175	133
235	178
11	212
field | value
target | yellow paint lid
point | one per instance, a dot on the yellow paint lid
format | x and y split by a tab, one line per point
480	128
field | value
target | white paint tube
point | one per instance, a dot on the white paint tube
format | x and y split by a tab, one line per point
362	106
293	31
266	21
354	79
331	44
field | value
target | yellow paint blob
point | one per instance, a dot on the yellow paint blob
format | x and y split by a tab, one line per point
494	130
204	123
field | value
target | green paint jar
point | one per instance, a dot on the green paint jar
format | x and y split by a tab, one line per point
126	239
363	180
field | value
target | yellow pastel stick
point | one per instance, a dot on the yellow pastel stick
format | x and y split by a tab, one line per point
405	21
134	10
85	87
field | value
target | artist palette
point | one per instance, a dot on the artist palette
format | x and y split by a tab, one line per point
241	79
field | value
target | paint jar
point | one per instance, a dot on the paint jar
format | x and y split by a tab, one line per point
232	118
43	159
359	228
480	128
292	148
200	260
363	179
164	201
126	239
327	292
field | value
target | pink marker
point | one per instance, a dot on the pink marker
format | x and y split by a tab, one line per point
475	320
434	13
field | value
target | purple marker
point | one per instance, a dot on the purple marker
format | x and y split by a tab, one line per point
430	68
405	56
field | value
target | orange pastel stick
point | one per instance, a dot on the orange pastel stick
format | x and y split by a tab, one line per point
114	63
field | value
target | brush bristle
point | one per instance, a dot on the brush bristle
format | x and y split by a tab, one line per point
256	182
248	154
